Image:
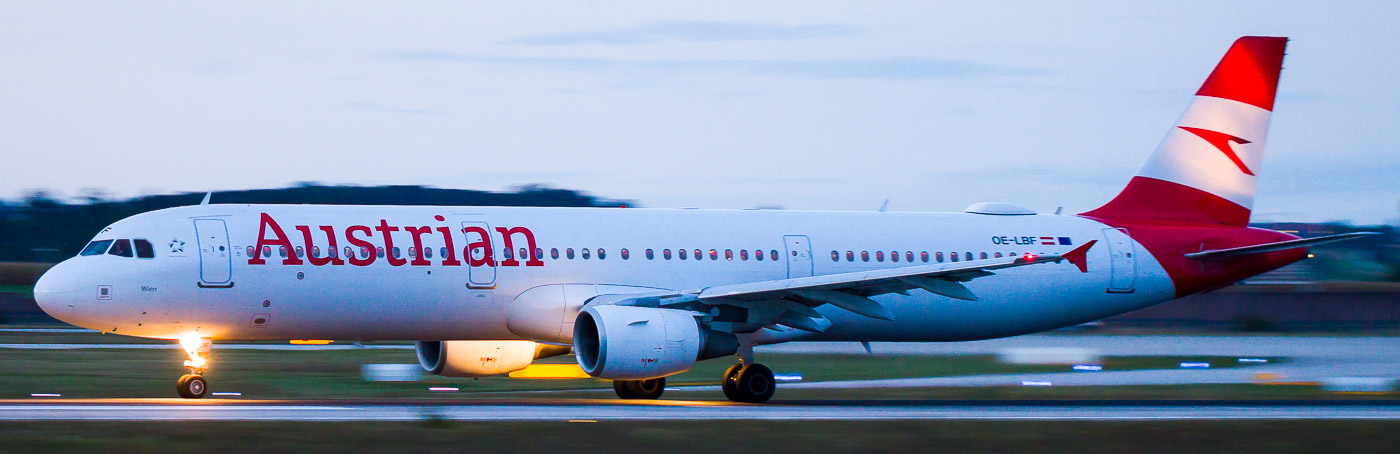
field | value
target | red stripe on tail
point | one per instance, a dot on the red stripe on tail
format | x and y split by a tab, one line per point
1249	72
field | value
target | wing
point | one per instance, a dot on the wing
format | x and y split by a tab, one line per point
748	307
1225	254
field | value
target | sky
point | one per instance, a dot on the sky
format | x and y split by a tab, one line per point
800	105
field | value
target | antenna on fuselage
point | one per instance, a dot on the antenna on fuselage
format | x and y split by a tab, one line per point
885	206
207	195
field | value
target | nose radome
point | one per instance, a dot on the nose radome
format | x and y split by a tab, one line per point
55	289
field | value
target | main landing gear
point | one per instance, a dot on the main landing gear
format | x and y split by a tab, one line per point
193	385
640	389
748	382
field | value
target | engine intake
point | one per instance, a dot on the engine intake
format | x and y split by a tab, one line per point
634	343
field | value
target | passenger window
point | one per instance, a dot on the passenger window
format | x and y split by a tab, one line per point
282	251
758	255
602	254
144	250
773	254
923	255
651	255
625	254
729	254
569	253
539	253
835	256
743	255
850	256
396	252
267	251
983	256
299	251
330	252
698	255
681	253
585	252
909	256
967	256
894	256
865	256
379	251
879	256
666	253
998	255
505	253
714	255
251	253
554	253
953	256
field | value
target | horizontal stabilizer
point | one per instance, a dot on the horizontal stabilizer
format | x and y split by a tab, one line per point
1222	254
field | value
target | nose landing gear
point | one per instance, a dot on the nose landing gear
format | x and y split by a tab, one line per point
193	385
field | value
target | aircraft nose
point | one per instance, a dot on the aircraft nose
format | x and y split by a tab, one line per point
55	290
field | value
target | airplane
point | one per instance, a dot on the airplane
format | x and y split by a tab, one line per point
641	294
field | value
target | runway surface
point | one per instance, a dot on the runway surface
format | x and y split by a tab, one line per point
600	410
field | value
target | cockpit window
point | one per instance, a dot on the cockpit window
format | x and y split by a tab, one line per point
144	249
121	248
98	247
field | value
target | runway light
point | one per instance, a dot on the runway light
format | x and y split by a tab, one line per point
1087	367
1192	365
1254	360
226	394
443	389
1035	383
45	395
786	378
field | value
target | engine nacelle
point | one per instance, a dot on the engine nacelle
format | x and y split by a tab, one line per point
634	343
481	358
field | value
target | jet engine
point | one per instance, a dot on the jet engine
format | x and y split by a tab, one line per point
481	358
635	343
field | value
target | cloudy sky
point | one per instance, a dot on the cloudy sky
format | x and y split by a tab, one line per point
803	105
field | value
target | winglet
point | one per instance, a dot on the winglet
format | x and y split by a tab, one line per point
1078	256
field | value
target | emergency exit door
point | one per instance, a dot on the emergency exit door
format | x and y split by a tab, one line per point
799	255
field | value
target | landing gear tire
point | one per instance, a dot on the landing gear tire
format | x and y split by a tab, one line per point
640	389
191	386
730	382
753	384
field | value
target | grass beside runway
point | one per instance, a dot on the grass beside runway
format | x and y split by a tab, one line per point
681	437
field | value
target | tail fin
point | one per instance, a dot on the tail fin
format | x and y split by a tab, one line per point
1205	170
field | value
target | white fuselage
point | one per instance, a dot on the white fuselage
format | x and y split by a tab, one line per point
201	280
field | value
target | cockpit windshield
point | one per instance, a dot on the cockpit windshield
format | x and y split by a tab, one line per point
139	248
98	247
122	248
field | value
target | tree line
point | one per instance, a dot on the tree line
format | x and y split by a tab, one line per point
43	228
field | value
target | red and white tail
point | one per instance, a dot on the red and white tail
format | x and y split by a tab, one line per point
1206	169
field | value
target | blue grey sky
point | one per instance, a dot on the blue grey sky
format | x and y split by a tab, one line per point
803	105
